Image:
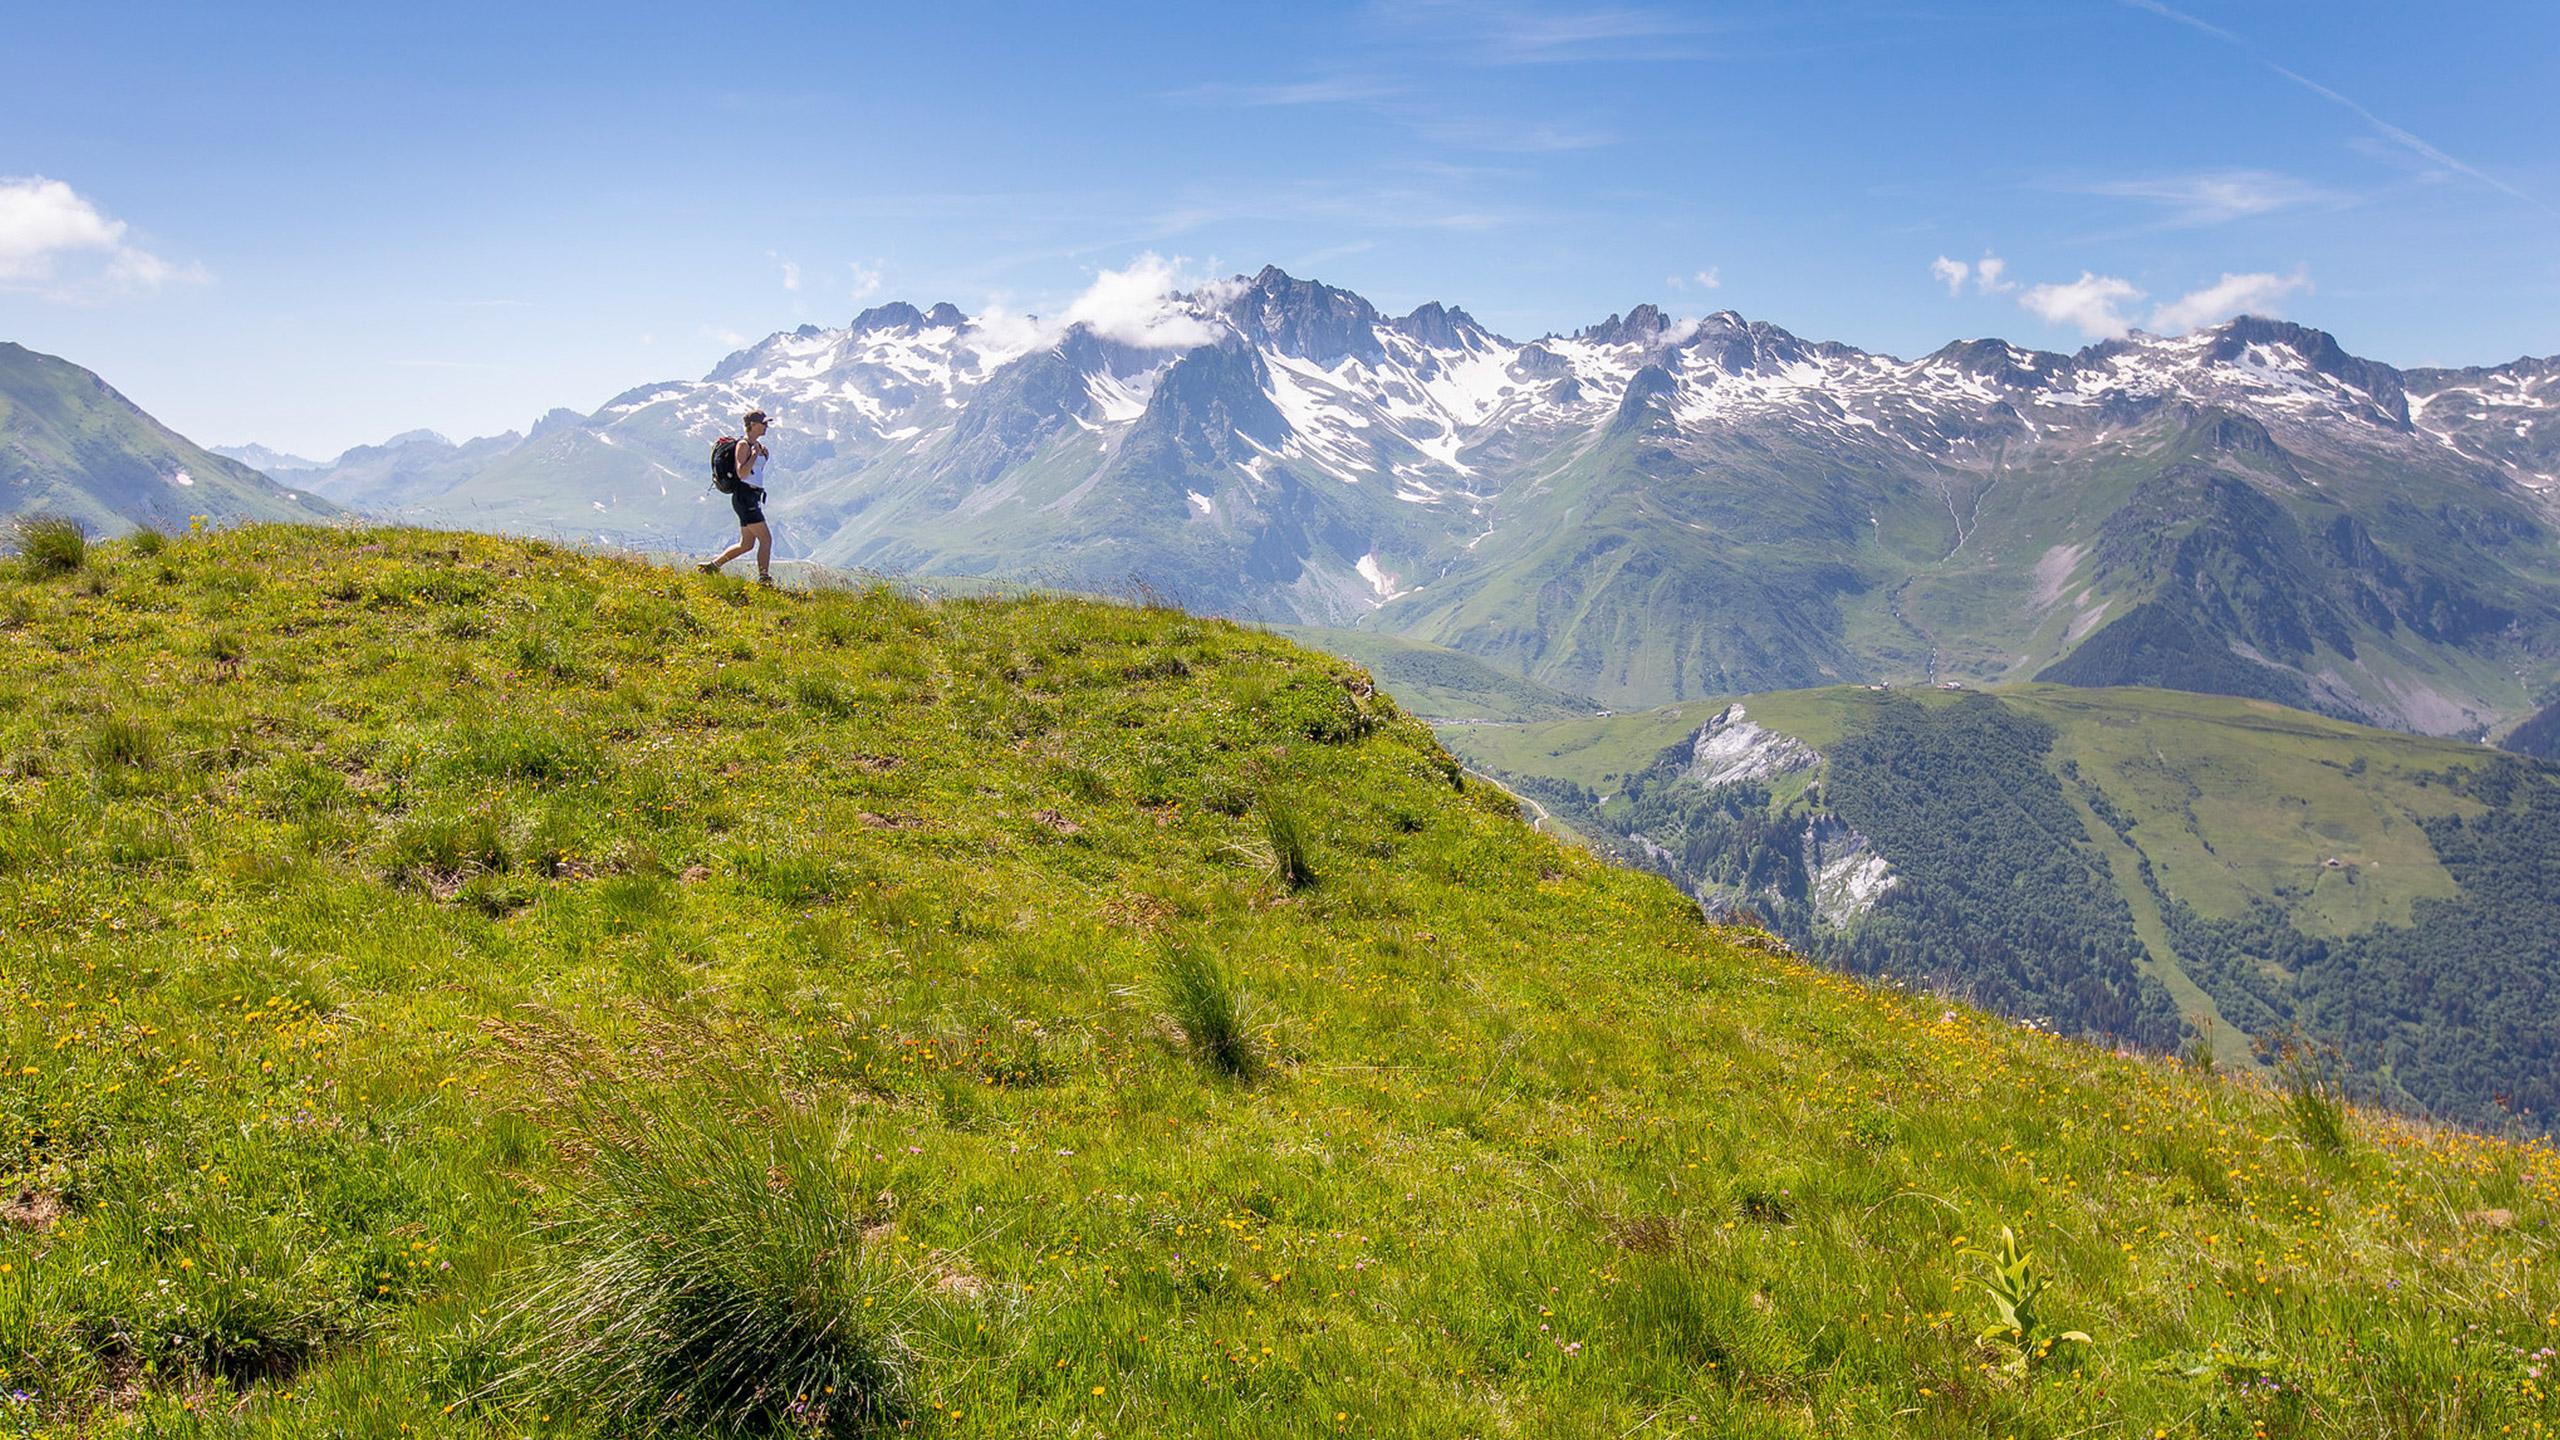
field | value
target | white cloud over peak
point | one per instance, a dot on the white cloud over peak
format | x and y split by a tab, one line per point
1141	305
2101	307
866	279
1711	278
54	242
2252	294
1138	306
1950	273
2093	304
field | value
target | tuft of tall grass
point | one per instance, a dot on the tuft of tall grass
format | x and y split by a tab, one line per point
1288	838
1202	998
713	1275
2314	1093
122	742
49	544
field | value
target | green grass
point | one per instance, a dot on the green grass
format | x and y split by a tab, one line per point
515	977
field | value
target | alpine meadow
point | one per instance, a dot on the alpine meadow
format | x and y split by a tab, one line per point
470	985
1372	720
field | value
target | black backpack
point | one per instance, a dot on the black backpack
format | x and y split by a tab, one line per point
724	464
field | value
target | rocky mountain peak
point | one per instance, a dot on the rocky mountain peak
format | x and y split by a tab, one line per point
1640	326
896	315
1306	318
2234	339
900	317
1997	361
1442	327
556	419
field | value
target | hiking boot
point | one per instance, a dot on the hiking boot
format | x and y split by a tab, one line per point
765	580
707	568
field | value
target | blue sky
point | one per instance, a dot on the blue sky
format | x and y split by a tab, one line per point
314	226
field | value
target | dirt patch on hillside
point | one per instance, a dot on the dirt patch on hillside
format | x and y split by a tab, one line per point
31	1209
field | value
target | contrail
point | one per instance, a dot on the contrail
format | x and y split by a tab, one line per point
2385	128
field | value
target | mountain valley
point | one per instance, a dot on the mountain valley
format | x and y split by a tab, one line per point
1650	509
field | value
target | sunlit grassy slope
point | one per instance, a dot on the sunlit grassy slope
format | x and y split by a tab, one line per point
1042	1017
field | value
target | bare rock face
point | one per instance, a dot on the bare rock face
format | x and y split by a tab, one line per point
1732	748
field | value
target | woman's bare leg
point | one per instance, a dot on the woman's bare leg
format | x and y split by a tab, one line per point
764	548
746	542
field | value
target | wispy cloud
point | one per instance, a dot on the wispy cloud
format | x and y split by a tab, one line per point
2388	131
2252	294
1368	206
2215	197
2095	305
1711	278
1332	90
1397	104
790	270
56	243
1496	135
1508	32
1325	255
866	279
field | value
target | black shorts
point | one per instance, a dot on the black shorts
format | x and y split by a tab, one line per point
748	501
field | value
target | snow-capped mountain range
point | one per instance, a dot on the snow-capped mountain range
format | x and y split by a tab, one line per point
1646	509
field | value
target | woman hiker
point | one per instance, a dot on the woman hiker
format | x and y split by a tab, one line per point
747	498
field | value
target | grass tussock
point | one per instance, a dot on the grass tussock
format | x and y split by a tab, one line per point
1286	834
1204	1000
2312	1077
715	1273
48	545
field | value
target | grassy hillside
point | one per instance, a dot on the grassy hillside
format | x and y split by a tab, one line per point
466	986
72	447
2276	868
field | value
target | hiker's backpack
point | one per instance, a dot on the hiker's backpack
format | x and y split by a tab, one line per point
724	464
